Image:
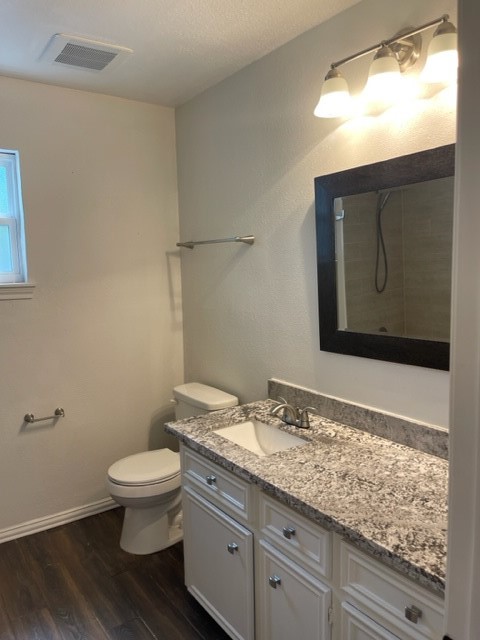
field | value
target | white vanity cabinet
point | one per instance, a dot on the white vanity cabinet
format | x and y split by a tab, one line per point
266	572
292	603
293	558
218	550
219	565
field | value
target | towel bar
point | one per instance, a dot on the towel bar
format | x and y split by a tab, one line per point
192	243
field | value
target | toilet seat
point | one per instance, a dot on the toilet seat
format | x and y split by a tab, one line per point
146	469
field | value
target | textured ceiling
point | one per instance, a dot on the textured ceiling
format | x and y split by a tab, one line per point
181	47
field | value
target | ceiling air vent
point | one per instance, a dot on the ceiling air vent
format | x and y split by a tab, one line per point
83	53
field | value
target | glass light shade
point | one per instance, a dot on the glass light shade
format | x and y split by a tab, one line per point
442	56
384	79
335	100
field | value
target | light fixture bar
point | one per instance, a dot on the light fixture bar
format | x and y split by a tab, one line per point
397	38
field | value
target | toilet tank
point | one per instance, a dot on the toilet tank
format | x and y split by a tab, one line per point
195	399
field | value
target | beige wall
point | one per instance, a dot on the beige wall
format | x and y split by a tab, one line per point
248	151
102	336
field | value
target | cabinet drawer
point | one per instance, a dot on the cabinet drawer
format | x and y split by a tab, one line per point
357	626
388	597
299	538
217	484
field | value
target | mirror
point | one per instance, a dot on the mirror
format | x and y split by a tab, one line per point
384	243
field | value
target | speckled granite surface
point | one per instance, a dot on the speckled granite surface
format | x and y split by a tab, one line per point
424	437
387	499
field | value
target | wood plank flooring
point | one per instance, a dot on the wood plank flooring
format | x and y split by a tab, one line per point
75	583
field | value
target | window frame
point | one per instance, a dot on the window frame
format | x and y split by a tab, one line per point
14	284
15	275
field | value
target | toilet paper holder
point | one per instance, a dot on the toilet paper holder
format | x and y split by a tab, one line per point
59	413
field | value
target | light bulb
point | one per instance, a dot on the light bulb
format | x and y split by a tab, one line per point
384	79
335	100
442	56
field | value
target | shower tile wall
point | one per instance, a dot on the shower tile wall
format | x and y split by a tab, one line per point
417	229
427	229
367	310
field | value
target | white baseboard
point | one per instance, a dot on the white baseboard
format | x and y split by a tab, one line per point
48	522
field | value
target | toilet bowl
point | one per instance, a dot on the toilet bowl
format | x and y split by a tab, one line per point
148	484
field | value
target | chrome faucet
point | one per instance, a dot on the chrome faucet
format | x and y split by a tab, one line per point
294	416
289	415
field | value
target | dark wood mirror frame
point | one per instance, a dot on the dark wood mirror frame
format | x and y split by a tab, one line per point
409	169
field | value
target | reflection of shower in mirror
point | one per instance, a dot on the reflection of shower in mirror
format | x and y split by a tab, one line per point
339	214
382	200
393	260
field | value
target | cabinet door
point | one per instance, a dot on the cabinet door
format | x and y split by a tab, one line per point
293	604
357	626
219	565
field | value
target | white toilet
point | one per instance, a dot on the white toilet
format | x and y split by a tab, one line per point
148	484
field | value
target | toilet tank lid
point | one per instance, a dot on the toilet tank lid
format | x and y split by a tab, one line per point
205	397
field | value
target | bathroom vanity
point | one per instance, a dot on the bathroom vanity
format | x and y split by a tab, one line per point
340	538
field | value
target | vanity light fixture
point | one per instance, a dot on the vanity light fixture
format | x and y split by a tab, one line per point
392	58
442	60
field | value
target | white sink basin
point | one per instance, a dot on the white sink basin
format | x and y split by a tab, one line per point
260	438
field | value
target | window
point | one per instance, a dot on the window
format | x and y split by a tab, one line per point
13	265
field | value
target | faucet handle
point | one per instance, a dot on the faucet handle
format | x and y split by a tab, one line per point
304	418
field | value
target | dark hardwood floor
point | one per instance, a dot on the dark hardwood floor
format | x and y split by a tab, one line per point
74	582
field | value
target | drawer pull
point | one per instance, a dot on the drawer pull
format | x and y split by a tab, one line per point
413	613
211	480
274	581
288	532
232	547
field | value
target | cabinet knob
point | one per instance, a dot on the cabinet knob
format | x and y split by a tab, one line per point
274	581
413	613
232	547
211	480
288	532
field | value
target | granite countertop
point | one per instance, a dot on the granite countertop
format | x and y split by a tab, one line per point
387	499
